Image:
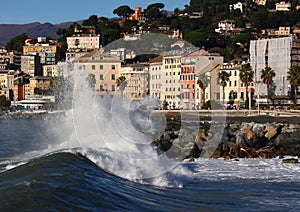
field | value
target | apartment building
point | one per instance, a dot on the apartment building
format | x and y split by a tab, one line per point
235	90
31	65
137	79
39	84
7	83
280	54
155	77
194	64
51	71
105	68
49	52
171	70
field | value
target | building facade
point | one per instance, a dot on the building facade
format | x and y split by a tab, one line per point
137	79
171	70
105	69
155	77
280	54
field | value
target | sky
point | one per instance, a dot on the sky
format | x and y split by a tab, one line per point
58	11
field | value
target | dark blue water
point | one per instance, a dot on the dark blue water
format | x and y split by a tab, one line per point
43	169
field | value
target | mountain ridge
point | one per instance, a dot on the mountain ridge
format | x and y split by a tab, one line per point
34	29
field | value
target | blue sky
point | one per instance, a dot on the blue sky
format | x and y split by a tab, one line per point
57	11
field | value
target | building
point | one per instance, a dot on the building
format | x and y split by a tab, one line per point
49	52
155	77
7	83
137	79
21	85
260	2
236	6
194	64
171	70
84	39
21	91
31	65
4	59
225	26
51	71
235	90
104	67
189	91
283	6
138	15
283	31
280	54
39	84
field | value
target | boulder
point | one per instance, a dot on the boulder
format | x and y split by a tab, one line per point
271	131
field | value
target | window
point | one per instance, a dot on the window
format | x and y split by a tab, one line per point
235	83
101	88
229	83
113	67
101	67
101	77
93	67
234	73
113	88
242	95
113	77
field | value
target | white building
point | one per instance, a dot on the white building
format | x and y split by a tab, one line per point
136	80
225	26
279	54
260	2
236	6
282	6
155	77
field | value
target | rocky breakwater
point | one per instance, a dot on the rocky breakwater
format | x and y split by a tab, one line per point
229	140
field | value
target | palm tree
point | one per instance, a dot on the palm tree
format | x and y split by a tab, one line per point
121	83
223	76
203	82
246	77
267	76
294	78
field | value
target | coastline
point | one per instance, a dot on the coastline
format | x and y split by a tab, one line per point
292	117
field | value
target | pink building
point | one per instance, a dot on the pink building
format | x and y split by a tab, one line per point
83	42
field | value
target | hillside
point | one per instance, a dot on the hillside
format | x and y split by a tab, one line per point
8	31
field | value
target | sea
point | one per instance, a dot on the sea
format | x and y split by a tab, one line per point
99	156
56	163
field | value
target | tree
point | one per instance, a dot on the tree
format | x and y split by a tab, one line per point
4	103
267	76
123	11
16	43
294	78
223	76
246	77
121	84
91	80
203	82
91	21
197	38
153	11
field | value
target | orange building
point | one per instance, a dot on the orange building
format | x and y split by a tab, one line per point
138	14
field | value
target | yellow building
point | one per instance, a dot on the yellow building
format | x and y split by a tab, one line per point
171	69
232	91
39	84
